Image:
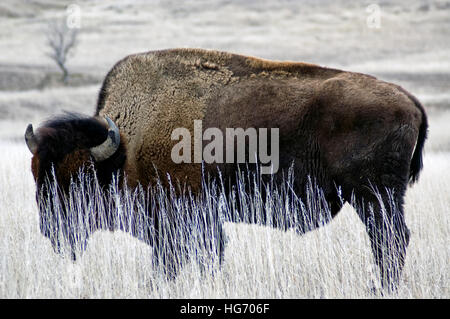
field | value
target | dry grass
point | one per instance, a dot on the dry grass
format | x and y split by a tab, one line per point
410	49
332	262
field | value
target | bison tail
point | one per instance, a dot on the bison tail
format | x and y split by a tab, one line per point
416	160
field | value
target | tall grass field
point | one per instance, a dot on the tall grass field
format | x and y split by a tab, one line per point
334	261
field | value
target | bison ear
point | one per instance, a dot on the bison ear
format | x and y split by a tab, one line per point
31	139
110	145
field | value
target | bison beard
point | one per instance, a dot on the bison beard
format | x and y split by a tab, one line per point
350	136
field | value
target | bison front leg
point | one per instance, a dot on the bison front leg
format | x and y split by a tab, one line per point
164	256
169	254
389	236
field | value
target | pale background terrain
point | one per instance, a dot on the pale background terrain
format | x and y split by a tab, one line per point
411	48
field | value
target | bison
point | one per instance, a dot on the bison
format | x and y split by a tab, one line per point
359	139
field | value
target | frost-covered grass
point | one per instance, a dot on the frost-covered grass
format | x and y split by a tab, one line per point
412	41
326	32
411	48
334	261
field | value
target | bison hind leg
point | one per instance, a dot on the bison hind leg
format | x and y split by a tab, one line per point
385	224
378	199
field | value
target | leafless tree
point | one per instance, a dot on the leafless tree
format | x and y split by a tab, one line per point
61	39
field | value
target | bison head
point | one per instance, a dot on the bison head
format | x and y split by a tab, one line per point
62	149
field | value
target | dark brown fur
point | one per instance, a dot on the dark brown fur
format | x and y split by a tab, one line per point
349	132
64	145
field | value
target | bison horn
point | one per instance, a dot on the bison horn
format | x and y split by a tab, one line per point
31	139
108	147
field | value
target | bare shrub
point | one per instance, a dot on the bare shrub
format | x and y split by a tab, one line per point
62	40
